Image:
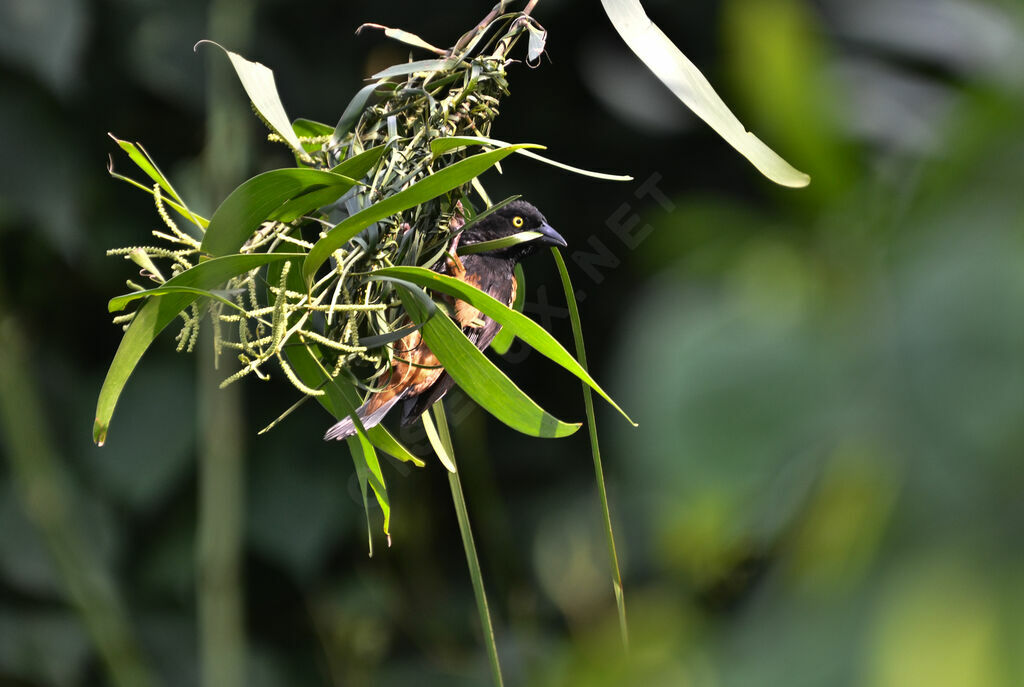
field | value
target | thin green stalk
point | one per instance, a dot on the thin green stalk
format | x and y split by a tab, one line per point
40	482
467	540
588	402
221	517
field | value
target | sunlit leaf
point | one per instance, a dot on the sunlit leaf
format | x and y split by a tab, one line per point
258	199
435	442
684	79
439	146
480	378
520	325
415	67
441	182
503	340
404	37
258	82
499	244
154	316
204	276
144	162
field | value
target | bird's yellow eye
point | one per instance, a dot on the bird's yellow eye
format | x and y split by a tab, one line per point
517	221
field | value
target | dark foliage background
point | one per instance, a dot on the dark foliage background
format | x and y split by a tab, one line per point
825	487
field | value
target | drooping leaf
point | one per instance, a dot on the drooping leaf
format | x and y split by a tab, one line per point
353	111
258	82
259	198
428	188
435	442
404	37
340	398
357	166
439	146
205	276
480	378
499	244
151	319
415	67
199	220
520	325
503	340
154	316
588	402
683	78
141	158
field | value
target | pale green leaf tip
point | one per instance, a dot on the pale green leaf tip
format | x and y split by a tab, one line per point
99	432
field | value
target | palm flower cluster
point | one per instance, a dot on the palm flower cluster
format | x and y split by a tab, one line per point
412	121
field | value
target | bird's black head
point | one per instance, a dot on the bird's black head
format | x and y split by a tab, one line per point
518	216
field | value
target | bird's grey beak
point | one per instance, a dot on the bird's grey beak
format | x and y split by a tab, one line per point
549	237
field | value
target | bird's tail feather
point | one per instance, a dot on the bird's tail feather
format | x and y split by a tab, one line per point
370	414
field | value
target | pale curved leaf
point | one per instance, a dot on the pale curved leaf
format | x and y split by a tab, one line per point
688	84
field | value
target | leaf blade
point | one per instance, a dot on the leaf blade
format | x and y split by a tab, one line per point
682	77
521	325
425	189
480	378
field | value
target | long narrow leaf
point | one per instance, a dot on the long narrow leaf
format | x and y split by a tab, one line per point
154	316
258	82
340	398
520	325
687	83
439	146
258	199
431	187
198	220
141	158
503	340
205	276
595	449
480	378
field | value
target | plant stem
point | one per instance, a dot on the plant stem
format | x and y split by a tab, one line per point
467	541
221	517
588	402
39	479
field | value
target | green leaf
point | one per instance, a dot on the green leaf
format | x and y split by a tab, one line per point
154	316
595	449
683	78
205	276
141	158
435	442
353	111
341	399
499	244
261	197
144	162
520	325
355	449
151	319
404	37
478	376
360	164
439	146
258	82
430	187
415	67
198	220
503	341
308	127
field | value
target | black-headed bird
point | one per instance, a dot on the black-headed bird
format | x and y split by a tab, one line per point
417	377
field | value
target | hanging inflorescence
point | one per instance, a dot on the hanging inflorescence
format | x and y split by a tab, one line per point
257	315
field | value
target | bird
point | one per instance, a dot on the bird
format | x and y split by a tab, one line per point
417	377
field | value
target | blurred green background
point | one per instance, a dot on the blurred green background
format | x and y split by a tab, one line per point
826	486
